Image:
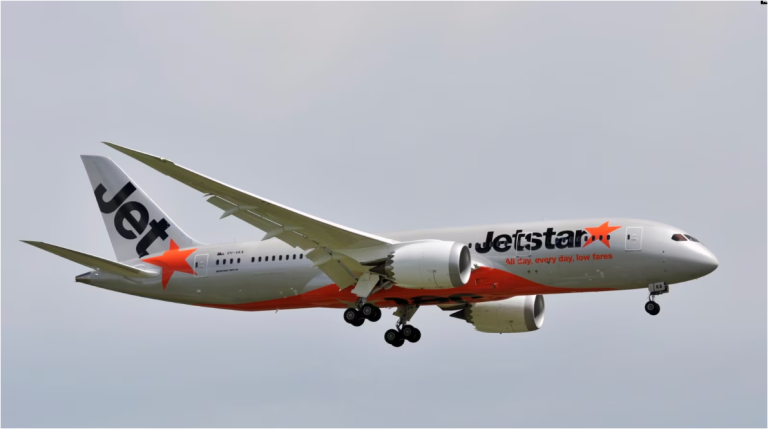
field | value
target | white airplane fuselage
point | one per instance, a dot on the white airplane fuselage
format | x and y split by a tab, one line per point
271	275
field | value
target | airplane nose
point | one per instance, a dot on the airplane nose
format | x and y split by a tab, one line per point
704	262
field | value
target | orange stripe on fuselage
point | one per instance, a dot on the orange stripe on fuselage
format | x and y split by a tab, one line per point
485	284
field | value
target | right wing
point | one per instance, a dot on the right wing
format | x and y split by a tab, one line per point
94	262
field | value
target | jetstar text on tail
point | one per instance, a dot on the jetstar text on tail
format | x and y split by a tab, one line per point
549	239
125	212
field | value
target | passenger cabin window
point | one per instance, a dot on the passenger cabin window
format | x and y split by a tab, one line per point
253	259
259	258
691	238
230	260
301	256
294	256
273	257
469	245
224	262
217	262
238	260
281	258
678	237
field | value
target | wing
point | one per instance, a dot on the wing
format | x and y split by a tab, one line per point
92	261
277	221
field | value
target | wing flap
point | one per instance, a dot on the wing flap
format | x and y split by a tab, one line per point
92	261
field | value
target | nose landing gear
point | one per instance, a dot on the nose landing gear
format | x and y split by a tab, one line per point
652	307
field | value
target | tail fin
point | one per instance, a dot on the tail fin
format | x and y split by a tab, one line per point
136	225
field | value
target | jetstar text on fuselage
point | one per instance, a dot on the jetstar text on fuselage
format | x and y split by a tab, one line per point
549	239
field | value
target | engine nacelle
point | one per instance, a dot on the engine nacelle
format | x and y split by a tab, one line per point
517	314
430	265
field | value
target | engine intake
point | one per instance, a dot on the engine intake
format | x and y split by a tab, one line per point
517	314
429	265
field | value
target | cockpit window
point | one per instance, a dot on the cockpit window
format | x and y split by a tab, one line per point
678	237
692	238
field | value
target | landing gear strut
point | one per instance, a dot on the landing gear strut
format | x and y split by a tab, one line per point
403	331
652	307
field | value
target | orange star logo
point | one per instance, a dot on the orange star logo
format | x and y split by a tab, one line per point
171	261
600	233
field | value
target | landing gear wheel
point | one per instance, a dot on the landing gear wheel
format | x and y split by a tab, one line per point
652	308
392	337
398	343
411	333
353	317
376	316
370	311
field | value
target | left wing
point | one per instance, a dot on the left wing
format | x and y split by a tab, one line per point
291	226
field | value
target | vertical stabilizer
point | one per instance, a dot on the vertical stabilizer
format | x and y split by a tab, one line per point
136	225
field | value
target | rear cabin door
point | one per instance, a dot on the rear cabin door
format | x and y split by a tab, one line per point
634	238
201	265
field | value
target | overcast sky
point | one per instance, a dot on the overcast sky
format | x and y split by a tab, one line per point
387	117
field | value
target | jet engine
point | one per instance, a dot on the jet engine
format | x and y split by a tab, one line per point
428	265
517	314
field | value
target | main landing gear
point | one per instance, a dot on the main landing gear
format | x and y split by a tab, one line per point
397	338
367	285
357	317
652	307
403	331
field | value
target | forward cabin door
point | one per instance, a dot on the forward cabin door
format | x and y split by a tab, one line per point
201	265
634	238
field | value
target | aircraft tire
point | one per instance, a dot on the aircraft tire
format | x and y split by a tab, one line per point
392	336
652	308
351	315
376	315
369	311
359	321
398	343
411	333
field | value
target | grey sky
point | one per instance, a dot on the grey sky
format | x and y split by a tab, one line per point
387	117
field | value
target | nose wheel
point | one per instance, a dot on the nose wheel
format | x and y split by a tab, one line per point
652	307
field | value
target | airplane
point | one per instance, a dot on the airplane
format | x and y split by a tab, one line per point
492	277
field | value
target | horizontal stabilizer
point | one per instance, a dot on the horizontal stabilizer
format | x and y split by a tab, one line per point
94	262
